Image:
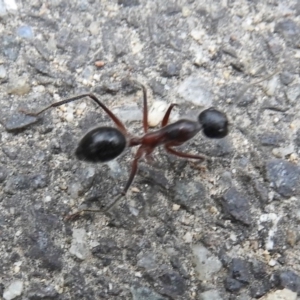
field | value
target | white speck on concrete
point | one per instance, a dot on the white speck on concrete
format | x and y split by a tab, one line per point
11	5
14	290
79	247
284	294
206	263
156	113
271	217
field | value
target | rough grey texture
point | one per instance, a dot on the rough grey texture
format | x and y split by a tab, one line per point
243	209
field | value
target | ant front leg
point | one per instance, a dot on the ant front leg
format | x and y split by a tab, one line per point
145	105
145	109
113	117
134	167
167	115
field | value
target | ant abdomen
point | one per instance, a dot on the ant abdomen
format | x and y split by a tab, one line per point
101	144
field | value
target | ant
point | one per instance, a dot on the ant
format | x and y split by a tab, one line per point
103	144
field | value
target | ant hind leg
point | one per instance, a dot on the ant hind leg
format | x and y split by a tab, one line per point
113	117
184	155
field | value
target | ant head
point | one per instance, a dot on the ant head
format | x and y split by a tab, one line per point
214	123
101	144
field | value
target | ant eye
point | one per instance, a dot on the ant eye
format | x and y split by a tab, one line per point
214	123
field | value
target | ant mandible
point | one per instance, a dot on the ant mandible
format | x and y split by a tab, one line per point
103	144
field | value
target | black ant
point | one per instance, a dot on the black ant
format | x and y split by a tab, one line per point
106	143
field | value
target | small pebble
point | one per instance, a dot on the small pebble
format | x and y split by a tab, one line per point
213	210
210	295
115	169
138	274
69	117
135	190
156	113
18	121
270	86
3	12
17	269
293	158
79	247
141	292
39	89
200	59
11	5
14	290
63	186
185	12
75	190
94	28
63	108
188	237
87	74
197	35
175	207
134	211
272	262
47	199
293	93
284	294
207	265
82	106
18	86
99	63
3	72
25	32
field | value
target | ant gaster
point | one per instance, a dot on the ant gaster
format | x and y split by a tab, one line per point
106	143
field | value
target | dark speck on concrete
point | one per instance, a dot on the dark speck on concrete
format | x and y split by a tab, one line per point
128	3
284	176
239	270
271	139
289	30
41	292
173	284
237	206
10	47
3	173
17	121
233	285
287	279
145	293
171	69
17	183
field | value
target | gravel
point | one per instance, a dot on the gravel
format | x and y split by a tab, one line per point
225	229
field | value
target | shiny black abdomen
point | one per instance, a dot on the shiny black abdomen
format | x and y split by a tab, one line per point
101	144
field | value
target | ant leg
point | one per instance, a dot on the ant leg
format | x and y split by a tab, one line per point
139	154
134	167
145	105
114	118
184	155
145	109
167	115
